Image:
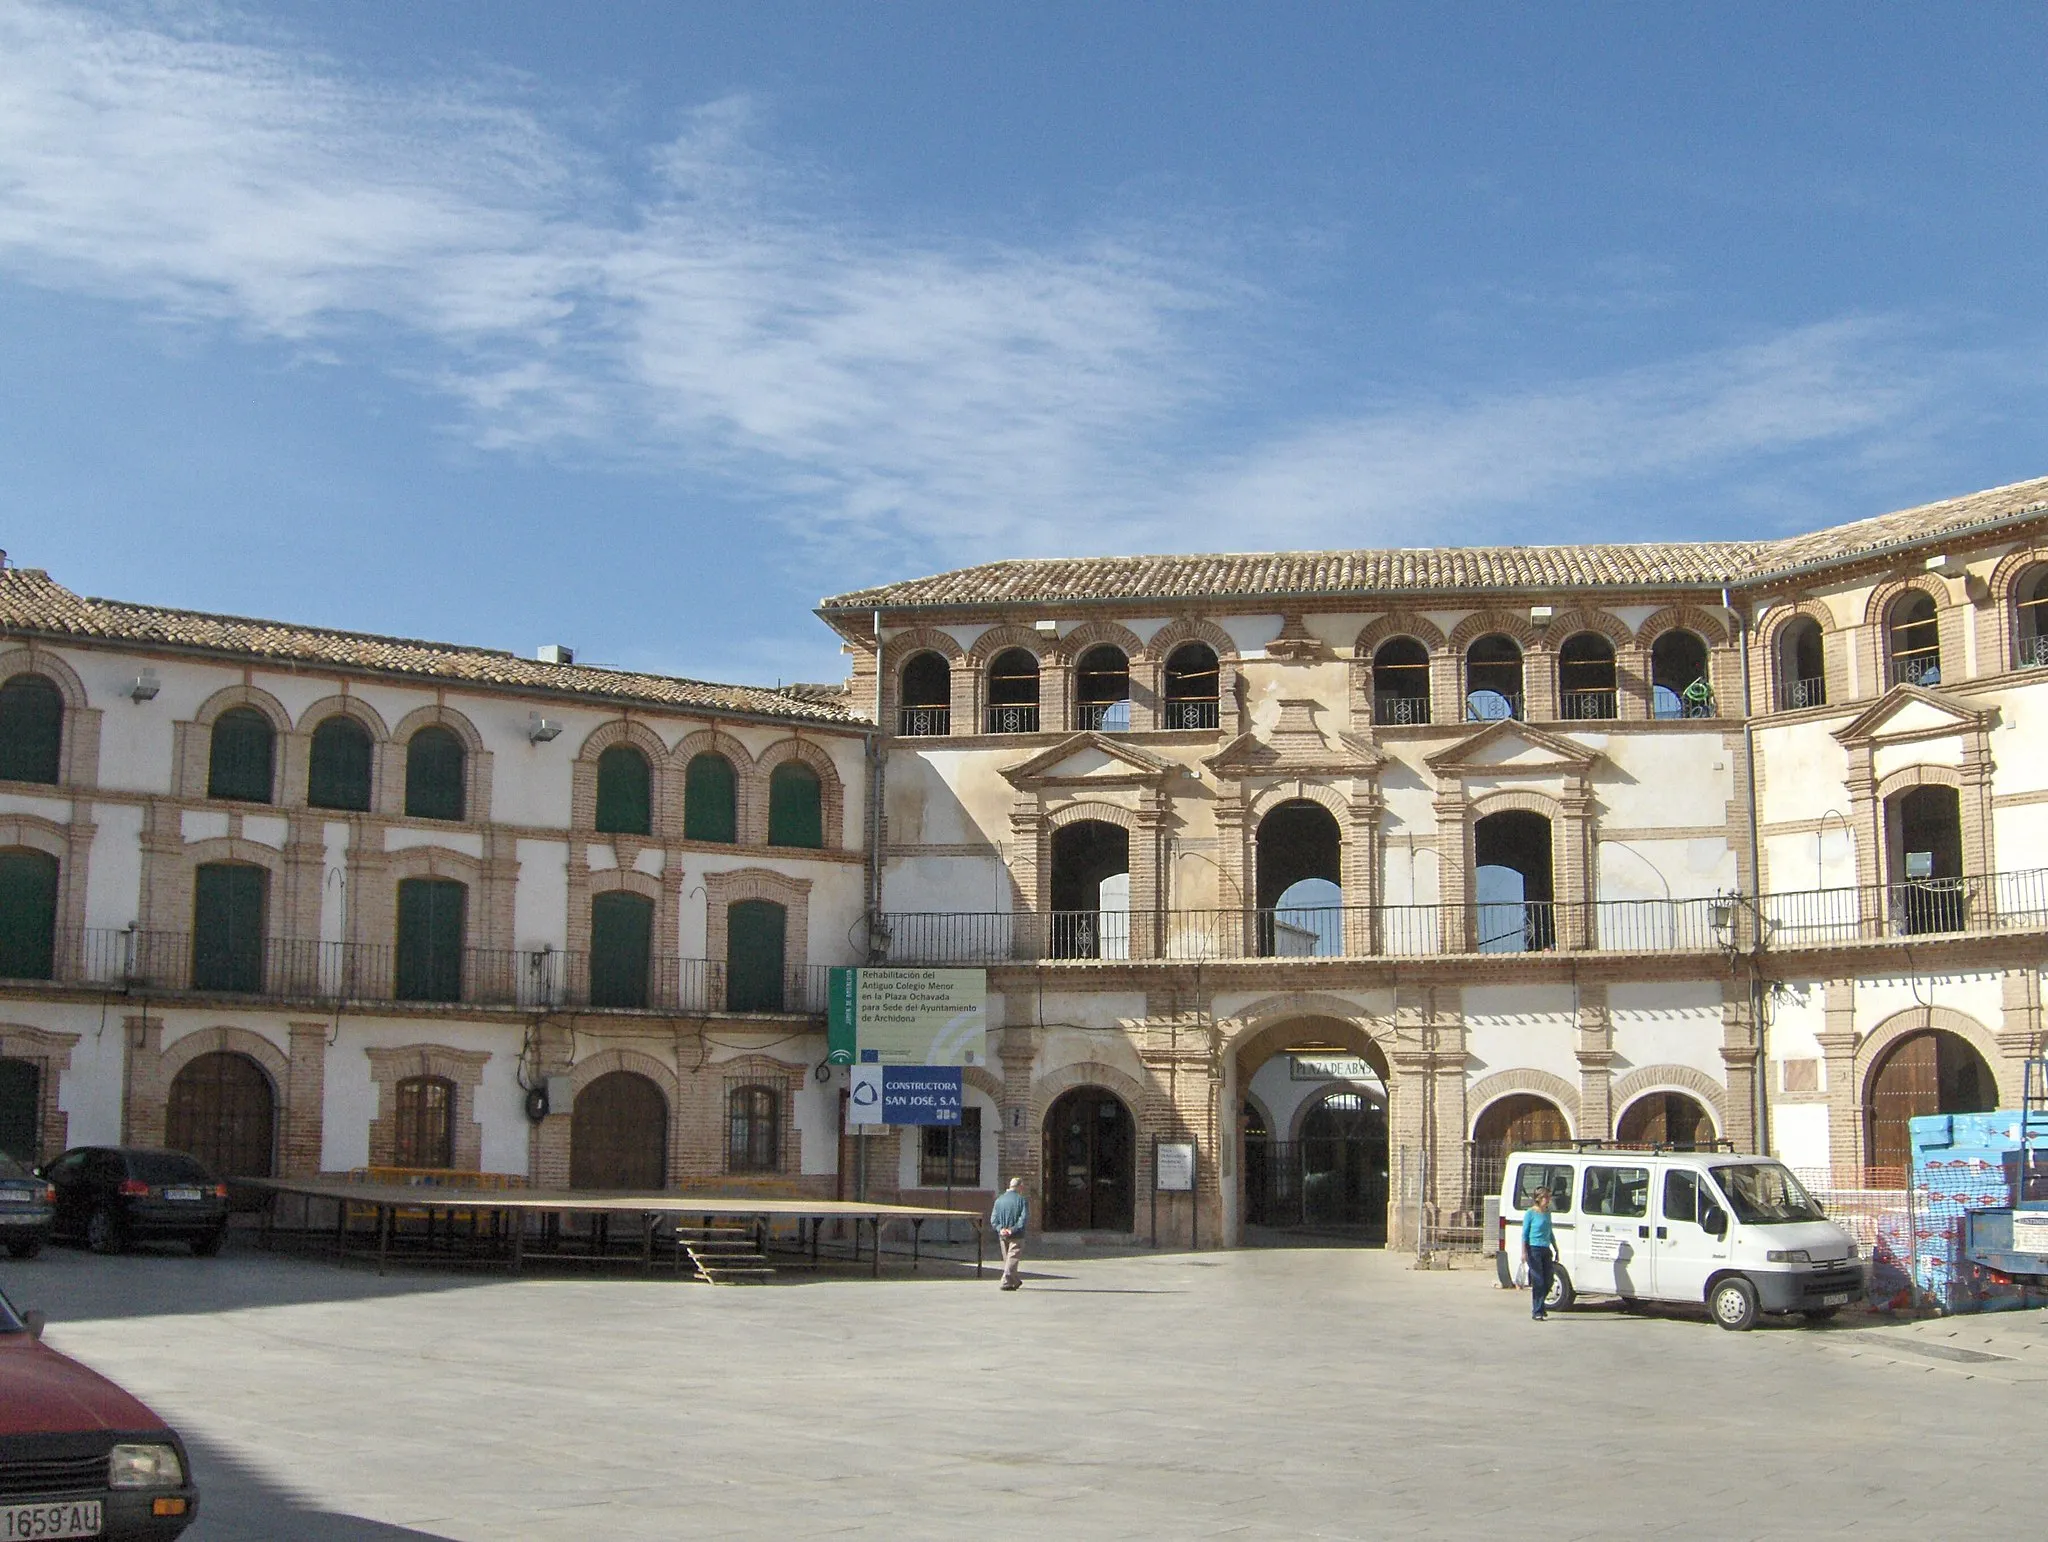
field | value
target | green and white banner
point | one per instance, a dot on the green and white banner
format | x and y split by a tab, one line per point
928	1017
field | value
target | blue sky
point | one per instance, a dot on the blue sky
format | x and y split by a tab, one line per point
641	327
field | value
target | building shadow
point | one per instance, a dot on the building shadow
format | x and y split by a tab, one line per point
236	1504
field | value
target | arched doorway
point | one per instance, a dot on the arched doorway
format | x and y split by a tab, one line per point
21	1110
1666	1119
1300	871
1091	890
1091	1168
1512	884
1507	1125
1924	840
223	1110
618	1134
1929	1072
1316	1148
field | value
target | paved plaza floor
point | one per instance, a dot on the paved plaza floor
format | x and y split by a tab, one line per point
1269	1393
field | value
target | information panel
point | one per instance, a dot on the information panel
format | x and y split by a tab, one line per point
908	1017
905	1094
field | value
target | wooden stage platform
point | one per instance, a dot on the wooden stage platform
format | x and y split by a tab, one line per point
725	1237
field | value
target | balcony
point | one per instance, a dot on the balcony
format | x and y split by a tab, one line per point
1189	714
924	722
1394	711
1012	720
544	979
2003	902
1587	706
1795	694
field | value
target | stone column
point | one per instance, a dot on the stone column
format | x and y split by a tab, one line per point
1632	682
1539	684
1446	681
548	1141
2019	1034
1595	1048
1453	868
1738	1057
143	1090
301	1142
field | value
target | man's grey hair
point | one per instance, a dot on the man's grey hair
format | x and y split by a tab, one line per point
1016	1183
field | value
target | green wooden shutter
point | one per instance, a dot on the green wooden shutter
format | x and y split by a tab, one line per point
796	806
625	800
753	956
227	927
340	776
621	938
28	914
240	762
31	729
710	803
21	1110
434	775
430	923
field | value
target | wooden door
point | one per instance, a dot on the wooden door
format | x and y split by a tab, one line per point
222	1111
21	1110
1926	1073
618	1134
1090	1163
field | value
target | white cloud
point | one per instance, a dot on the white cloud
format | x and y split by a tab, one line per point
951	398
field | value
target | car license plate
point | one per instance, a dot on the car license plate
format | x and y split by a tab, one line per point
184	1193
19	1218
18	1197
1840	1298
52	1519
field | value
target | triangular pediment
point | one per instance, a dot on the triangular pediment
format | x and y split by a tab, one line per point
1095	759
1294	746
1913	712
1510	745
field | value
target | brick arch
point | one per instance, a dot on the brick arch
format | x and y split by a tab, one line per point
640	1063
434	862
229	697
755	1069
1505	622
229	848
476	761
1783	616
1689	618
1094	634
831	791
1517	798
583	777
1908	777
903	647
1309	1105
1328	798
439	715
625	880
238	1041
1877	608
37	834
1265	1025
2004	596
50	1053
1047	1090
1879	1041
1001	639
624	730
722	890
461	1068
31	660
1568	625
713	741
1160	645
1671	1078
1079	812
1489	1090
343	705
986	1082
1397	624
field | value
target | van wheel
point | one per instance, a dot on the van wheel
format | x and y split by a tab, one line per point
208	1244
1561	1293
103	1232
1733	1304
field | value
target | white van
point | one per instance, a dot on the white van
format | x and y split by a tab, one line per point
1737	1233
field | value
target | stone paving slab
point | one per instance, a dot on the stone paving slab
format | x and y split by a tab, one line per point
1321	1393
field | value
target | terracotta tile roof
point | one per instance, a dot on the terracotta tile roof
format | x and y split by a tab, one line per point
1649	564
31	601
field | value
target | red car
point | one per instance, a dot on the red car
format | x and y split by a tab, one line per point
78	1456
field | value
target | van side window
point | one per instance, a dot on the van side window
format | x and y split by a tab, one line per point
1681	1195
1532	1176
1618	1191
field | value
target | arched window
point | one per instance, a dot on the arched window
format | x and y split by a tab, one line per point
340	774
423	1132
31	729
1585	678
1193	681
796	806
621	945
927	706
755	938
229	903
1924	844
28	914
1913	639
1666	1119
1802	670
1091	890
1102	690
1400	682
1299	867
1678	676
1013	692
1493	679
431	916
625	792
710	799
434	766
2030	619
1512	885
1507	1125
753	1138
239	761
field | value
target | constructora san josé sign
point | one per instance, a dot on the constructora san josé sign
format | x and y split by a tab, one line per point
927	1017
904	1094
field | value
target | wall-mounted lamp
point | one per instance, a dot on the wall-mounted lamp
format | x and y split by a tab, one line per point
144	687
1721	914
541	729
1539	615
1947	566
1046	628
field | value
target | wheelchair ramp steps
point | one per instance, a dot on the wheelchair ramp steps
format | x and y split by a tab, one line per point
724	1255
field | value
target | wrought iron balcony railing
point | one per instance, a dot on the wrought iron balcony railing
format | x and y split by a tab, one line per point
924	722
1189	714
299	969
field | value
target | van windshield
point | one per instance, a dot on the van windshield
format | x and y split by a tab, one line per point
1765	1194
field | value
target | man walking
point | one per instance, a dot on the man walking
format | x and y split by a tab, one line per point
1008	1219
1538	1242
